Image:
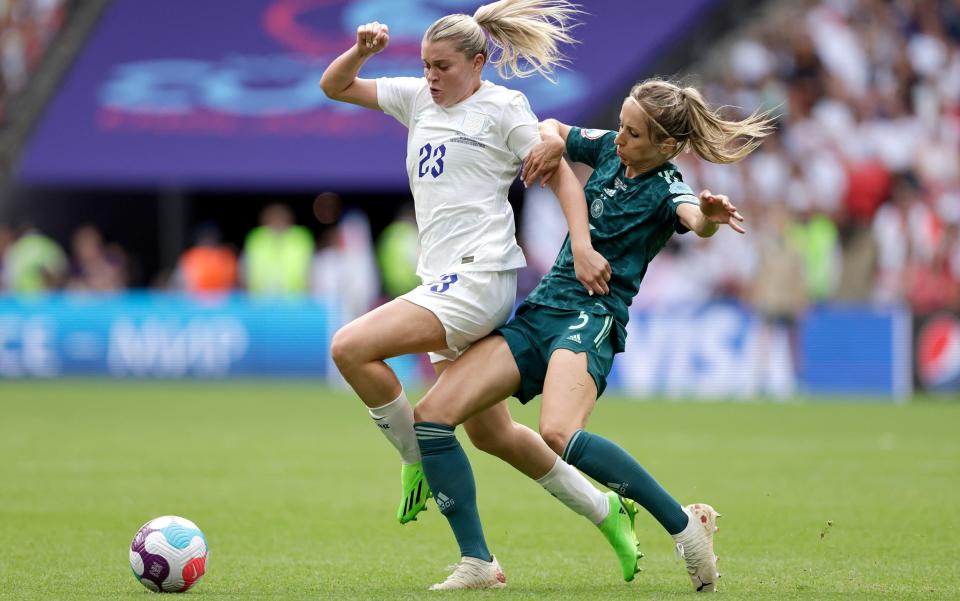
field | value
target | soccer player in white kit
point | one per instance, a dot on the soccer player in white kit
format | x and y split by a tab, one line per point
467	139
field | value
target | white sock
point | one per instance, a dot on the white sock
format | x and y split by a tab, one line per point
395	420
692	537
567	484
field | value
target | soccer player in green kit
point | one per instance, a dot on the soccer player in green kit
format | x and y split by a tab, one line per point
562	341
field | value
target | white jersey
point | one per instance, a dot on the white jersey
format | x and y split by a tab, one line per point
461	161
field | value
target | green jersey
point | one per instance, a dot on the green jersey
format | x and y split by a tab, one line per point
631	219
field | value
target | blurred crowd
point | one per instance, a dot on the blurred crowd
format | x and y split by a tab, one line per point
278	258
855	198
26	29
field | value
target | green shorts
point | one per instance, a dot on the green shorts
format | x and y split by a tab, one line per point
536	331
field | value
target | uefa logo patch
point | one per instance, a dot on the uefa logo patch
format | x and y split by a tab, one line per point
596	208
593	134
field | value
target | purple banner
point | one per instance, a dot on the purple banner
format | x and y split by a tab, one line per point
187	93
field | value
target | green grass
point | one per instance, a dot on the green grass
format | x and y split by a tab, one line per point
296	492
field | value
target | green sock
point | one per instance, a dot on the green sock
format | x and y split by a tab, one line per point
451	480
607	463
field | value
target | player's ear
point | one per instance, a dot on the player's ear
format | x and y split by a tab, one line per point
479	60
668	146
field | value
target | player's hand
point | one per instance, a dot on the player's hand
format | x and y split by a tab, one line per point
718	209
372	38
542	161
593	271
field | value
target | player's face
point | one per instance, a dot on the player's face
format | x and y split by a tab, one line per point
634	146
451	77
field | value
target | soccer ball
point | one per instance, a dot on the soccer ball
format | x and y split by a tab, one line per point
168	554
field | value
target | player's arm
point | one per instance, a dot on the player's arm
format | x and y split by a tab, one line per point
714	210
592	270
543	161
340	81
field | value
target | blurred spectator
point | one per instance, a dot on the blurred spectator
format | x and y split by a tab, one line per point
277	254
94	266
398	248
344	267
209	266
932	284
543	228
858	263
7	238
779	293
34	263
26	29
816	241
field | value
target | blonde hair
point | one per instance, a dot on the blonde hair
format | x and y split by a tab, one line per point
527	31
684	115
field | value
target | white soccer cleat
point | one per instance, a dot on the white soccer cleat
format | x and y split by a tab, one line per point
473	573
695	546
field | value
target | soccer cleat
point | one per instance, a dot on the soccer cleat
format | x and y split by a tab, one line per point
473	573
416	491
697	550
618	528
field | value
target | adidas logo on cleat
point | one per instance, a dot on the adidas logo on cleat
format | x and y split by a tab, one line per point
574	337
443	502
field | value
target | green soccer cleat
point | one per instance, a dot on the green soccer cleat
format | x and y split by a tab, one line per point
416	491
617	527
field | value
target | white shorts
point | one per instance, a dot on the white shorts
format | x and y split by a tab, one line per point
468	304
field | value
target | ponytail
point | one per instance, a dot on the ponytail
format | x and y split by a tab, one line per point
521	31
683	114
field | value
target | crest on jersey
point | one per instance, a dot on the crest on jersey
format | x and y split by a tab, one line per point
592	134
596	208
473	123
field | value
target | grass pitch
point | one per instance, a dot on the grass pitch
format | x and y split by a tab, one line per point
296	493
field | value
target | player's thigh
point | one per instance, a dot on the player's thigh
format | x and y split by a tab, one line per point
441	366
396	328
482	377
488	428
569	396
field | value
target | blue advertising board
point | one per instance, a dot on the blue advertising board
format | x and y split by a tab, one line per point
711	351
214	93
165	336
723	351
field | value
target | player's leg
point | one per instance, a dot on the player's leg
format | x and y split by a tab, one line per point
569	396
479	379
397	328
469	306
359	349
494	431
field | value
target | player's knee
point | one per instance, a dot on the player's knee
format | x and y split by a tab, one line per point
427	411
434	409
489	442
343	347
556	436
